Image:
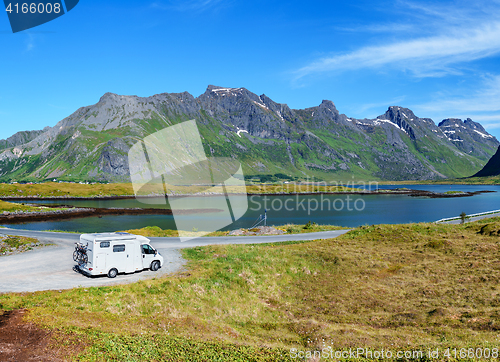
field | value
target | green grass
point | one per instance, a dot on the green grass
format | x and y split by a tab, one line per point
490	180
293	188
13	207
161	347
404	287
433	151
56	189
16	243
155	231
63	189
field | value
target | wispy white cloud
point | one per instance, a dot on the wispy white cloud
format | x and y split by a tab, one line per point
485	99
445	13
456	14
482	105
427	39
423	40
430	56
380	28
420	18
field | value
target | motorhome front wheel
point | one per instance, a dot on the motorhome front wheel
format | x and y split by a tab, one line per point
155	265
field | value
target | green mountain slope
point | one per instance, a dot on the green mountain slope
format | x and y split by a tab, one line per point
492	168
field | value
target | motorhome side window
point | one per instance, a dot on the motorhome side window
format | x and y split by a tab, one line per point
118	248
146	249
104	244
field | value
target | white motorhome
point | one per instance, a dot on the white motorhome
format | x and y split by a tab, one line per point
113	253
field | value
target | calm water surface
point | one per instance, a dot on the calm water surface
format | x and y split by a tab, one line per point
344	210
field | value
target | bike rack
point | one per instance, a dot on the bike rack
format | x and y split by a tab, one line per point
80	254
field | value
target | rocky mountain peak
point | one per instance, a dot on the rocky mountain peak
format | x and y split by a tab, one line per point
402	118
109	96
216	91
468	136
328	107
325	103
267	101
220	99
474	125
396	112
456	126
455	122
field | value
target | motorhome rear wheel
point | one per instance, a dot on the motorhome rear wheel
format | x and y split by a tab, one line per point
112	273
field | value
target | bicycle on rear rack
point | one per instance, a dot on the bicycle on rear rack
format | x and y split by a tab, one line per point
80	254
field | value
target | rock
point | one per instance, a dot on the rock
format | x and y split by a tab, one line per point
469	137
20	138
261	230
237	232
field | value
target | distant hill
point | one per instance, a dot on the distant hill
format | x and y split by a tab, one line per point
268	138
21	138
492	168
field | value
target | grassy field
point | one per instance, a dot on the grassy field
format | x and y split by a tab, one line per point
291	188
56	189
12	207
397	287
11	243
155	231
491	180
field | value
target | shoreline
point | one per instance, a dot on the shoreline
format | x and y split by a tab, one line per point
21	217
401	191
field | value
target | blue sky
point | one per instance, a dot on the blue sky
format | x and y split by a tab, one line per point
440	59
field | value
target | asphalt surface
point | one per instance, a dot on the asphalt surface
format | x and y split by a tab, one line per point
471	219
51	267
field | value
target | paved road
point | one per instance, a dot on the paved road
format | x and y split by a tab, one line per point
51	267
471	219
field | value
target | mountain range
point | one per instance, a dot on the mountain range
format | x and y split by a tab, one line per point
266	137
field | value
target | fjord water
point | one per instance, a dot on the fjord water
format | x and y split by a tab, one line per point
343	210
